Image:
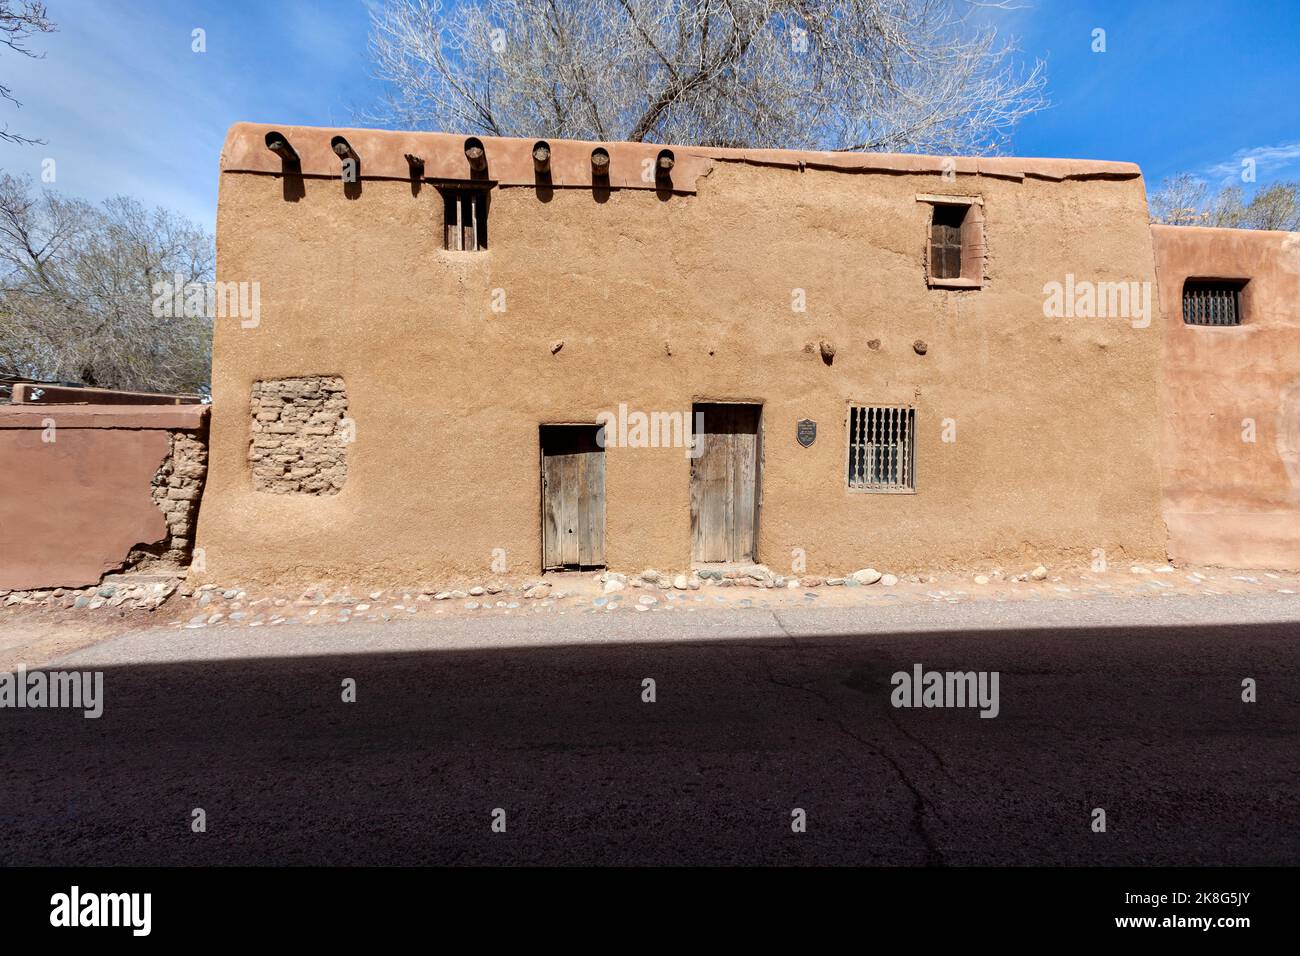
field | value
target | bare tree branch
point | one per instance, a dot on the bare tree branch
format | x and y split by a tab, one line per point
19	22
77	291
904	75
1185	200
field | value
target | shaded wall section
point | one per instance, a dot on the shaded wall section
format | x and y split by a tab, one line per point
82	487
1232	397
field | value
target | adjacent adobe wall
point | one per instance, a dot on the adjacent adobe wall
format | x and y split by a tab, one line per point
35	393
87	489
1232	437
588	298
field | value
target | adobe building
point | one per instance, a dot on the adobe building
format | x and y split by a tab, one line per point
867	340
1231	299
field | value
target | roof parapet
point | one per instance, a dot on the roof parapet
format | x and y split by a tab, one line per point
511	161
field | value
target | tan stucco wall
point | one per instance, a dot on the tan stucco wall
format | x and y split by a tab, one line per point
1228	500
1057	419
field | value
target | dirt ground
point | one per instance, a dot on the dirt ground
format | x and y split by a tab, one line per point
35	634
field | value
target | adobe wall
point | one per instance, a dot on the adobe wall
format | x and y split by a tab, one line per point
1232	436
88	489
665	299
35	393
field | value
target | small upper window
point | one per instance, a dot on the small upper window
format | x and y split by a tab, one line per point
945	241
1212	302
955	242
465	219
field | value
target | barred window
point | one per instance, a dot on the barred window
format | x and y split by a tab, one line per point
465	219
882	448
1212	302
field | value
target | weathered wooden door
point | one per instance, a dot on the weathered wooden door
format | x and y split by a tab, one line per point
724	484
573	497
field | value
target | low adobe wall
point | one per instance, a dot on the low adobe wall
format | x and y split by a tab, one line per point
1231	443
88	489
34	393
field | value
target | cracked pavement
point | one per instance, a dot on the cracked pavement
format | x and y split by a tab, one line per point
1133	706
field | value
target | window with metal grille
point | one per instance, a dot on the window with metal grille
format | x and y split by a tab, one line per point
1212	302
945	241
881	448
465	219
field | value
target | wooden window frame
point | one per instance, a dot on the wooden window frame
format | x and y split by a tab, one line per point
972	241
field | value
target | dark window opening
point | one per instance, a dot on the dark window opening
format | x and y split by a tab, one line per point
945	241
1212	302
465	219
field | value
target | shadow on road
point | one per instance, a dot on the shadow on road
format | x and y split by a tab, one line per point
1145	723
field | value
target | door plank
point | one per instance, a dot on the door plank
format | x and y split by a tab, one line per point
581	523
744	457
712	491
568	465
593	554
552	556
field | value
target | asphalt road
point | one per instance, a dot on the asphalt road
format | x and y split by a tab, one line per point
1130	706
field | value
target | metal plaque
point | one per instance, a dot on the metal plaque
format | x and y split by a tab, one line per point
806	431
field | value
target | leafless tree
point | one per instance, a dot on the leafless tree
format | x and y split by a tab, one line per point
19	21
817	74
77	291
1181	200
1277	207
1185	200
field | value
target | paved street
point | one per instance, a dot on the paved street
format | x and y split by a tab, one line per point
1133	706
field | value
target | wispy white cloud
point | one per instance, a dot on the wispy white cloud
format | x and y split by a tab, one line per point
111	97
126	106
1270	162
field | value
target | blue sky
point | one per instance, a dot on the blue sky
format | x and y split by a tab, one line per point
126	105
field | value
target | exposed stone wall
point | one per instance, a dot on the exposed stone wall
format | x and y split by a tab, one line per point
299	433
177	490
